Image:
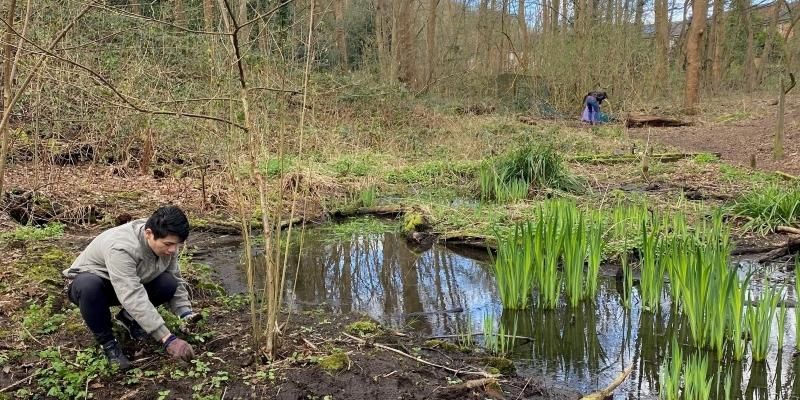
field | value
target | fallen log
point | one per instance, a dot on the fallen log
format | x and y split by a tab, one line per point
787	176
638	121
788	229
387	211
627	158
462	239
791	246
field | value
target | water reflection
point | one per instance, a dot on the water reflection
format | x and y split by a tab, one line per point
440	292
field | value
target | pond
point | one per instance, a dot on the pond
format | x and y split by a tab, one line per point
442	291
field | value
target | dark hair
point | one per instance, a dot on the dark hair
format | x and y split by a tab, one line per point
168	220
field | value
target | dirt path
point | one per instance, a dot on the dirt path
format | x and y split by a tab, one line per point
737	135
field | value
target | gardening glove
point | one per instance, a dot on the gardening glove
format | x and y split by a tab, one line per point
178	348
189	320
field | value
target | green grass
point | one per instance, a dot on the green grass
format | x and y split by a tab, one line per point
768	207
357	227
706	158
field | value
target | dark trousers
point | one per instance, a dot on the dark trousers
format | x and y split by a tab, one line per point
95	296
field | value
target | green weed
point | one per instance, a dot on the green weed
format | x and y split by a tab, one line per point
538	165
759	319
41	319
66	379
670	374
30	233
357	227
697	384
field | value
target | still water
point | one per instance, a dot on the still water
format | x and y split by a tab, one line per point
440	291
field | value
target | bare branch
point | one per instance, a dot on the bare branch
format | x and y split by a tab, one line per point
266	14
77	46
105	82
269	89
149	19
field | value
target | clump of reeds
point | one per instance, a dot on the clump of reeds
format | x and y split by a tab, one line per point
498	341
768	207
759	321
508	178
670	374
515	266
696	382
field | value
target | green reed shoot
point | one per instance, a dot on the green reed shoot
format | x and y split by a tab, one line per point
651	269
367	196
595	256
487	179
574	254
552	241
759	319
796	308
670	374
465	336
514	267
697	384
737	316
498	342
781	324
621	232
728	385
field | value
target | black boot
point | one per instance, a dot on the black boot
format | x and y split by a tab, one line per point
115	355
130	325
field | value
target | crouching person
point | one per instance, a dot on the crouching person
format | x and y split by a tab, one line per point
135	266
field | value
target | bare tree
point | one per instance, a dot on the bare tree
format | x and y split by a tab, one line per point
716	44
662	42
406	51
770	41
430	40
694	41
339	33
522	52
380	37
749	58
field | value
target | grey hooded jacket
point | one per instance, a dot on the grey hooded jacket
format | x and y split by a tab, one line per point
122	255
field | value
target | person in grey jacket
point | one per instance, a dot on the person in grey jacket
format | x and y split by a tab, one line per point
134	265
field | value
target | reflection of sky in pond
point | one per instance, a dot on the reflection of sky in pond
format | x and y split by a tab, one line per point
583	348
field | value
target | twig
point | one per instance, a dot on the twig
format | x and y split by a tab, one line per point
417	359
17	383
604	393
523	388
787	176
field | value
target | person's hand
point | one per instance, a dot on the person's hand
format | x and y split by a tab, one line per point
178	348
189	320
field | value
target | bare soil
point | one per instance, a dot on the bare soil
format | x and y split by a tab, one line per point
737	140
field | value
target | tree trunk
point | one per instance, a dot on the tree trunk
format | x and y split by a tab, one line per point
340	34
716	43
662	43
380	37
136	7
564	19
502	57
609	18
695	38
749	58
770	42
208	15
554	13
179	12
9	52
522	50
430	40
406	52
639	14
241	18
546	17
